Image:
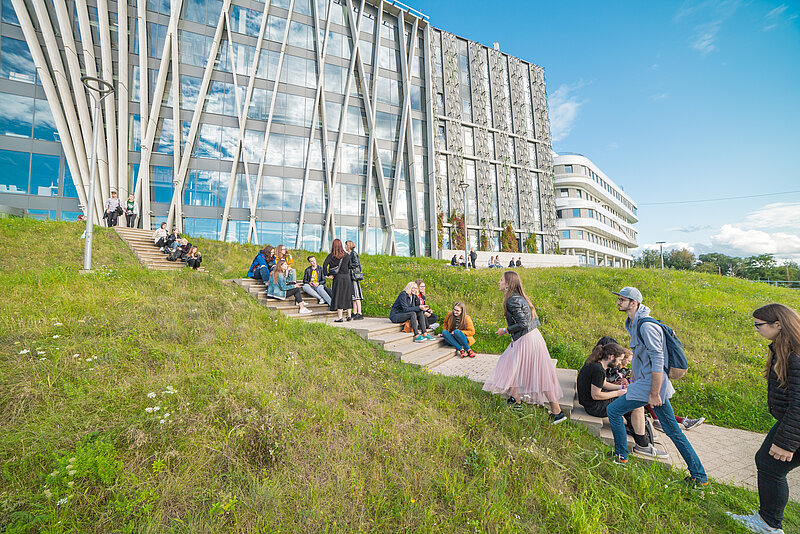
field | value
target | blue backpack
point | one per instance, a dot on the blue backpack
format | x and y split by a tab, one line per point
675	362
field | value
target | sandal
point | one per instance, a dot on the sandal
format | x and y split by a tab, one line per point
462	353
471	353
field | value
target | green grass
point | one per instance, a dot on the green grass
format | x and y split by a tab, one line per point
711	314
276	425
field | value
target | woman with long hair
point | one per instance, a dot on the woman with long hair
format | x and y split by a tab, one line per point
337	267
263	264
194	258
356	276
279	288
459	331
524	370
406	307
778	454
431	318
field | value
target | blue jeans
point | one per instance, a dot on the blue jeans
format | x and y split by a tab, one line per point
318	293
261	273
665	414
457	339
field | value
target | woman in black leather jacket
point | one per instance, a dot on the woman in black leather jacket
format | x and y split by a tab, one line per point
778	454
525	370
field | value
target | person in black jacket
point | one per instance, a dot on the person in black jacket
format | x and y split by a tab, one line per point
314	282
356	276
337	268
778	454
525	370
511	263
407	308
473	258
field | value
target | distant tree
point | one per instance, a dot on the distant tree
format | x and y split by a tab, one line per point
761	267
724	263
707	268
679	259
650	259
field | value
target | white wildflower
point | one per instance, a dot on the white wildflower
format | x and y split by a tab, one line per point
40	352
167	415
48	493
91	368
151	395
24	351
76	355
56	336
88	359
162	421
72	460
149	409
62	502
94	358
170	390
70	483
58	324
54	473
72	472
156	408
42	359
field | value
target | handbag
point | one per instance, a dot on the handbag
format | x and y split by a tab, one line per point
119	210
356	276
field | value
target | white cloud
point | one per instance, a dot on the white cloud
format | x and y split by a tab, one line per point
777	215
749	242
564	107
704	37
705	18
691	228
661	96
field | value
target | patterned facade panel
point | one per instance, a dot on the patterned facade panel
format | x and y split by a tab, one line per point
545	160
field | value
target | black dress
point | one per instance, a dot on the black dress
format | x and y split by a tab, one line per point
342	298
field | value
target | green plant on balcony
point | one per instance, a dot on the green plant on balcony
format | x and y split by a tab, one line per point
508	239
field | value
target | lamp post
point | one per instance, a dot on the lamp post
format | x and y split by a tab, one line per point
463	185
98	92
661	251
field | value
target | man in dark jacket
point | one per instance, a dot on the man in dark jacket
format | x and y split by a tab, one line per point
519	262
511	263
651	385
314	282
473	257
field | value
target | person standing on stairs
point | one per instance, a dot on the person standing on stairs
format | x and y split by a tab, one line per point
525	369
131	211
595	394
459	331
356	276
112	209
406	307
337	268
650	385
279	288
778	454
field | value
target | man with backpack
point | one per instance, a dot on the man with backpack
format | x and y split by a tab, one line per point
655	350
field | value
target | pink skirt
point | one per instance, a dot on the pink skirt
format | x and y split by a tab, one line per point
526	365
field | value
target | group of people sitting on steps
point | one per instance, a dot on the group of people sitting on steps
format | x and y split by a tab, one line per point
176	247
342	268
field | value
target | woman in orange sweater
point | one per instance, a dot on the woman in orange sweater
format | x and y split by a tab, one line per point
459	331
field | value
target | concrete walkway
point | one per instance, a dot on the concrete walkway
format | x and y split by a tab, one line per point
727	454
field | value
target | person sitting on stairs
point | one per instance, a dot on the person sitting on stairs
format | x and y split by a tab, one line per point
314	282
279	288
459	331
407	308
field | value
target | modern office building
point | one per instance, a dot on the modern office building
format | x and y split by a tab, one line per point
595	216
262	122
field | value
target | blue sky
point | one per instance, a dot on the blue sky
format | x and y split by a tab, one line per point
674	101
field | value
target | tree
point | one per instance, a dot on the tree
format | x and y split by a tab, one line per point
707	268
679	259
761	267
650	259
724	263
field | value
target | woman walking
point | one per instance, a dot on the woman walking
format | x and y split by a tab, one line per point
524	370
458	331
778	454
337	267
356	276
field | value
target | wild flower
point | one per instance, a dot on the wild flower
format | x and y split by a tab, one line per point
170	390
76	355
149	409
162	421
24	351
151	395
156	408
40	352
72	472
48	493
88	359
58	324
42	359
56	336
70	483
62	502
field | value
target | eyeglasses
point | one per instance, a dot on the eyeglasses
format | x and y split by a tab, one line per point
759	325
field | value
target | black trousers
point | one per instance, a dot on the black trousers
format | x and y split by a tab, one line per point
162	242
111	218
417	319
773	489
131	219
295	292
194	263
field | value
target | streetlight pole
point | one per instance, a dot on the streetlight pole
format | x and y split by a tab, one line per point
661	251
103	89
464	186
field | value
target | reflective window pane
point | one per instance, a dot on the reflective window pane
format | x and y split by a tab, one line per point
14	178
161	184
44	126
44	175
16	118
16	62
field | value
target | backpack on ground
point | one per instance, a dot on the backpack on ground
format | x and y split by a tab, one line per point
675	362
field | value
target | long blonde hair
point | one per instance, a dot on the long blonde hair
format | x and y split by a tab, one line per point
514	287
410	286
786	342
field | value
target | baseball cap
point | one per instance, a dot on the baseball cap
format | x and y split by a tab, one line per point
630	293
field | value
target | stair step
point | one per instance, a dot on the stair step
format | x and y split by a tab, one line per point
430	358
406	349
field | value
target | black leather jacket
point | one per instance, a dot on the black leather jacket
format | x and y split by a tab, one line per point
518	317
784	404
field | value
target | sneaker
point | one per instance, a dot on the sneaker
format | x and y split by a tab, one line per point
754	523
320	301
650	451
511	400
657	425
434	326
693	483
358	317
619	460
161	249
462	353
556	418
305	311
516	406
429	337
349	318
471	353
419	339
689	424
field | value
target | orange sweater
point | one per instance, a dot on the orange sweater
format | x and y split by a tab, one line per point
466	326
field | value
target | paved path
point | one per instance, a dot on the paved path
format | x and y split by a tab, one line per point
727	454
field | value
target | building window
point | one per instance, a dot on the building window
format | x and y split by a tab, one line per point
564	234
564	193
576	212
16	62
568	169
580	193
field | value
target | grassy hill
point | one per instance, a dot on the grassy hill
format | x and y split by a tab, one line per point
710	313
141	401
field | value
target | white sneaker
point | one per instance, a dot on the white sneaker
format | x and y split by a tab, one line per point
321	301
434	326
754	523
650	451
305	311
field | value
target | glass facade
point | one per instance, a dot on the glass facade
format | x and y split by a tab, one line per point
280	139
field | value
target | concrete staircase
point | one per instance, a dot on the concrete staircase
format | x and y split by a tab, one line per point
141	243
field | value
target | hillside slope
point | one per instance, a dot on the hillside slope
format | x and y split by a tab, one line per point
168	402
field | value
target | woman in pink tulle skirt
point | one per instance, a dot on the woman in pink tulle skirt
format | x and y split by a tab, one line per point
525	371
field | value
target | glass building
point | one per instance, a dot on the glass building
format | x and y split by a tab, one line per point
285	121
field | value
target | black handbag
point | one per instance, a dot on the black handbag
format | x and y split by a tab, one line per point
356	275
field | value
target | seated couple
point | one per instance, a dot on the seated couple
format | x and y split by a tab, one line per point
409	307
266	260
